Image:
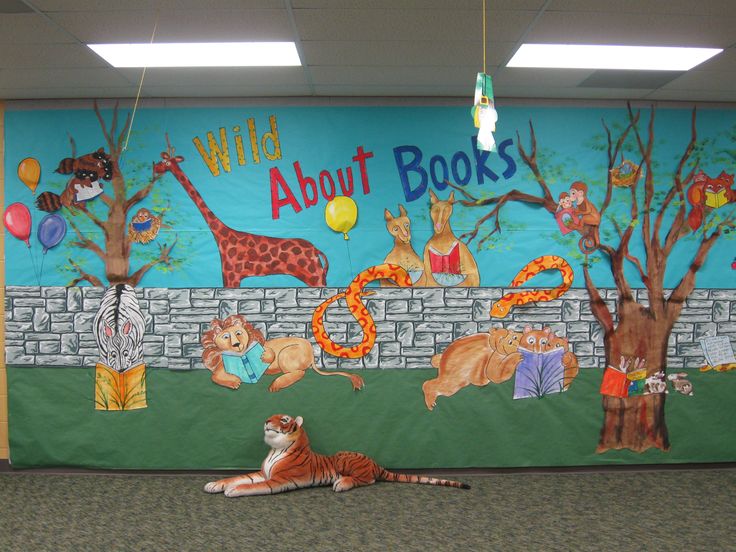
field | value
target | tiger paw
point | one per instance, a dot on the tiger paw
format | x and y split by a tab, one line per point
343	484
214	487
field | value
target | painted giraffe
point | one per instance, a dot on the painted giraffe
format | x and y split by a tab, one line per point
244	254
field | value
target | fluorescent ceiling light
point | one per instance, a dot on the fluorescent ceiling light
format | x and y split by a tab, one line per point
578	56
202	54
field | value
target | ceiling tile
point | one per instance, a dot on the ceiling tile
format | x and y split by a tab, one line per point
565	92
162	5
707	7
207	91
395	53
34	92
517	76
218	76
614	78
704	80
62	78
669	94
30	28
401	76
396	24
635	29
42	56
393	90
179	26
491	6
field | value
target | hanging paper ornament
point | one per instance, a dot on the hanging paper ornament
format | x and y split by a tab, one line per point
484	112
341	213
17	220
51	231
29	172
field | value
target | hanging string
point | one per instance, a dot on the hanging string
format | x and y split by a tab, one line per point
35	269
40	272
484	36
140	87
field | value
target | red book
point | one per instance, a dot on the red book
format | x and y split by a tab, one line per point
445	262
615	383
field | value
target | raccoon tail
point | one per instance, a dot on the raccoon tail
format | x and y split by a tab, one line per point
49	202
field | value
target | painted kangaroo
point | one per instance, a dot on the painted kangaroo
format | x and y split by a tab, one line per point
244	254
447	260
403	253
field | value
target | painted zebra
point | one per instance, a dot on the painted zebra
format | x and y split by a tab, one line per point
118	328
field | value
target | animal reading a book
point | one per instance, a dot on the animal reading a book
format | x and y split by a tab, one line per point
447	260
236	352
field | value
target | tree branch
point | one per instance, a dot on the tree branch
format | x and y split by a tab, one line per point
94	218
646	153
163	258
687	284
597	305
499	201
613	154
108	137
675	231
623	248
106	199
85	243
531	161
141	194
84	276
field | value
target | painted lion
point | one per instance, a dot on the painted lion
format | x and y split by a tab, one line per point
289	356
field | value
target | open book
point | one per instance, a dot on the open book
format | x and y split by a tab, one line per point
717	350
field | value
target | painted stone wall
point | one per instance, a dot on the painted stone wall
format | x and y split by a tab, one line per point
52	326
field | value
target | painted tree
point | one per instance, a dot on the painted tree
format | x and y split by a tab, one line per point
114	248
635	330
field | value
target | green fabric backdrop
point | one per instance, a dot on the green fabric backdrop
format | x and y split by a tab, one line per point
192	424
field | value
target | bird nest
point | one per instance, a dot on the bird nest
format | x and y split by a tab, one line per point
625	174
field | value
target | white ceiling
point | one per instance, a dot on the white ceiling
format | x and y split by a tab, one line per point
357	47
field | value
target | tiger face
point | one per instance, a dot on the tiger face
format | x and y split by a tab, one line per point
280	430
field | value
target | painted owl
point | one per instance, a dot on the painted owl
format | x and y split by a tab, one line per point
144	226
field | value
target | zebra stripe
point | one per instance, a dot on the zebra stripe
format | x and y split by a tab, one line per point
118	328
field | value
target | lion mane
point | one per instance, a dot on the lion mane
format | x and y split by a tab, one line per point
211	353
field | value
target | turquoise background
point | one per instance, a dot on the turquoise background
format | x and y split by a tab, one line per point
327	138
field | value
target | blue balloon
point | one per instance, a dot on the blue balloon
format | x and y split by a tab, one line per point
51	231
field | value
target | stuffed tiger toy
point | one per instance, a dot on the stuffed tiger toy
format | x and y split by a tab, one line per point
291	464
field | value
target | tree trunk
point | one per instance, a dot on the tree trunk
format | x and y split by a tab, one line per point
117	244
638	422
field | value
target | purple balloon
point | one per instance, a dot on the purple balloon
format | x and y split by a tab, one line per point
51	231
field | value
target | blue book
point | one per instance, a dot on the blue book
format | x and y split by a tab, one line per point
248	367
539	374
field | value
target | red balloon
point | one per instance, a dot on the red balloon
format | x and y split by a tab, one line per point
17	220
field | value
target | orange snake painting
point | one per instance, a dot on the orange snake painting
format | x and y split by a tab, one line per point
503	306
353	296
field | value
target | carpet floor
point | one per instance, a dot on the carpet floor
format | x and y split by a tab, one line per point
618	510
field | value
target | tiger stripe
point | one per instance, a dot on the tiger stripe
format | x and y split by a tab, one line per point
292	464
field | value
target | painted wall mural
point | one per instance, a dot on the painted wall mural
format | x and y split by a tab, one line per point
405	260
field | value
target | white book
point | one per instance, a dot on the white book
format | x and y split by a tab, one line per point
717	350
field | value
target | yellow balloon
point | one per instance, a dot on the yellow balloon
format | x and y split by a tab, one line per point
29	172
341	214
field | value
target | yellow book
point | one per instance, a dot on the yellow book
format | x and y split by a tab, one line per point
715	200
120	391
